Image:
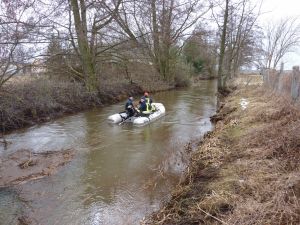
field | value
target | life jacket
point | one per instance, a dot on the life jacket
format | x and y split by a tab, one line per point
144	108
148	105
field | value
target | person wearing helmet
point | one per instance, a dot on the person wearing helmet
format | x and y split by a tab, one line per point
129	107
147	98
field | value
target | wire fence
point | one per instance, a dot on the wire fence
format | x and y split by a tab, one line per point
283	82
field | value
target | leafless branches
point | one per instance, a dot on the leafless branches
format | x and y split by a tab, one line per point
23	29
238	35
281	38
161	24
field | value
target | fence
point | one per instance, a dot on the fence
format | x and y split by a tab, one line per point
283	82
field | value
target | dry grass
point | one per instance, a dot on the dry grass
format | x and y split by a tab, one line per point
30	101
282	83
247	171
251	79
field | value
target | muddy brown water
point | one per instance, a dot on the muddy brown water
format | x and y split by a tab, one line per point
117	174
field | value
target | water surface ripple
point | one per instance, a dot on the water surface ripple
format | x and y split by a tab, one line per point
113	178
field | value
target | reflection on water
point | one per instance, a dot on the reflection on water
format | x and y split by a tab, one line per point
109	182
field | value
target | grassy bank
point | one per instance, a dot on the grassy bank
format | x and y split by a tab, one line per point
247	171
24	102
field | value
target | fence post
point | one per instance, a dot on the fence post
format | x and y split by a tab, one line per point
281	67
279	78
295	83
265	74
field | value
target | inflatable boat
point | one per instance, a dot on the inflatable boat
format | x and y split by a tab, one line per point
122	117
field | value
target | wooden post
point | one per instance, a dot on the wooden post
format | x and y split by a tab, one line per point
295	83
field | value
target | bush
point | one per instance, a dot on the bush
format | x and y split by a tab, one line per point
181	76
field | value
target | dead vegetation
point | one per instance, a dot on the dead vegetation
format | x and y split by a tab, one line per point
39	100
247	171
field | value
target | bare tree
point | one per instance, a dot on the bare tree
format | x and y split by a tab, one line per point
14	28
243	34
280	38
25	28
237	37
89	18
221	76
158	26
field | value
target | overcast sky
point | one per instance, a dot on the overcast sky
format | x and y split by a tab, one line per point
280	8
274	10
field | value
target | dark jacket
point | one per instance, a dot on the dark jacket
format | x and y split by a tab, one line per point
129	104
143	106
129	107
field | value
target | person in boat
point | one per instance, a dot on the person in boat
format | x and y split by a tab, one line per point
129	107
143	109
148	101
147	98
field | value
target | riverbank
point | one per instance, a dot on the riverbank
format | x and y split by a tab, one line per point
247	171
25	102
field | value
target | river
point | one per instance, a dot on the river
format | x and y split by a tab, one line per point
120	173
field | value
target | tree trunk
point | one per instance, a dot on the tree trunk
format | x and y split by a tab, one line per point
84	48
221	76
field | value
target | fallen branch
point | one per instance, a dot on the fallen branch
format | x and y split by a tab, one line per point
208	214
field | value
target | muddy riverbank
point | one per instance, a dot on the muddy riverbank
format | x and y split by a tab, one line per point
24	165
25	103
247	171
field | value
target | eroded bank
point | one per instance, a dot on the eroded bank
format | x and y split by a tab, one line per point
247	171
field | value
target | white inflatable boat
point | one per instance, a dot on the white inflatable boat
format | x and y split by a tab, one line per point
140	120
